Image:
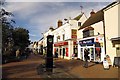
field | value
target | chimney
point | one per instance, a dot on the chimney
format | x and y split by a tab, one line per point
92	12
59	23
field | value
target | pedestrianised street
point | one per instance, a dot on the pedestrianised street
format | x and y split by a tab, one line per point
63	68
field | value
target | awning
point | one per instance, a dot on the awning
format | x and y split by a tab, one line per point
97	17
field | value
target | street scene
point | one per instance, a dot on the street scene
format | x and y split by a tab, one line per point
60	40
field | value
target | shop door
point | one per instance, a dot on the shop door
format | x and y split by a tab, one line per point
91	55
63	53
60	52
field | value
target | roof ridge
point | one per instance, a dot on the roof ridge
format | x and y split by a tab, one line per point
79	16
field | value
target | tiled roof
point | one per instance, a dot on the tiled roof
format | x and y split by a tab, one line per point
78	17
99	16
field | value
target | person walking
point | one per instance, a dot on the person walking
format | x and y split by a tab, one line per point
17	54
86	57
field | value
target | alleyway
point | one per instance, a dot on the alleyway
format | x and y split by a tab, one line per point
63	69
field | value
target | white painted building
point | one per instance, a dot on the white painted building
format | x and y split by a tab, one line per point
91	37
112	29
104	25
65	37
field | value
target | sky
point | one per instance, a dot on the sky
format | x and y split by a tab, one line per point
38	16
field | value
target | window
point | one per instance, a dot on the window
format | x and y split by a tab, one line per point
63	37
85	34
88	32
91	32
79	23
58	38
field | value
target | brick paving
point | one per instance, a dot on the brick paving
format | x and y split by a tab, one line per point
63	69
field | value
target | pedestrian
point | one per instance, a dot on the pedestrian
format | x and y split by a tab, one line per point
86	57
18	54
56	54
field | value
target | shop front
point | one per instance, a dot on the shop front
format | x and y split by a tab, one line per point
61	48
64	49
94	46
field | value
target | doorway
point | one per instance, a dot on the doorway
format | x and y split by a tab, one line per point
63	53
91	50
118	51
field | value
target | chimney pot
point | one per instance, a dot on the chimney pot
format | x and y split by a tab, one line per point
60	23
92	12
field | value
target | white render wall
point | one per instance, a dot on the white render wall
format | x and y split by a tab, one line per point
111	28
111	22
64	29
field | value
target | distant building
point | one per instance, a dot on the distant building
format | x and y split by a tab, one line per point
40	46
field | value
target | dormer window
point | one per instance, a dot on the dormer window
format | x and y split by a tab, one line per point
79	23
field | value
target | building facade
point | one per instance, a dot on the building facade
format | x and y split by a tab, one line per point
65	39
112	29
104	27
91	37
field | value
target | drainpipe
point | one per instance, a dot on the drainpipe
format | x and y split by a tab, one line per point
104	35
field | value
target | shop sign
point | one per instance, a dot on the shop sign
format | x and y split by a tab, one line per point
87	41
75	43
74	33
61	44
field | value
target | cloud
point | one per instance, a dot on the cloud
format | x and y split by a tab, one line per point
59	0
37	17
33	35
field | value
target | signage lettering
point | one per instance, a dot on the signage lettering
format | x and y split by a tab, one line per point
88	41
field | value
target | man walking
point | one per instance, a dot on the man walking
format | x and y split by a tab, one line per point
86	58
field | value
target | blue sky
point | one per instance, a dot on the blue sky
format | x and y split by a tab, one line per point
37	17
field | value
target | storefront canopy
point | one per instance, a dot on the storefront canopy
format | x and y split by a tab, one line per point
97	17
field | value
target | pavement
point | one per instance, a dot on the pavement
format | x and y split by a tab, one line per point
63	68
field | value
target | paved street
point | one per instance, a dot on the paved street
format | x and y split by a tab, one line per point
63	69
